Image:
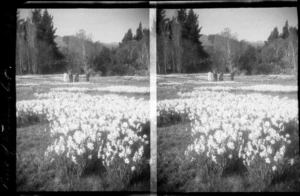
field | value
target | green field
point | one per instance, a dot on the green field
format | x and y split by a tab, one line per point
176	173
34	173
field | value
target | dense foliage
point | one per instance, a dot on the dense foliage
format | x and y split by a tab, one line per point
39	53
36	53
181	48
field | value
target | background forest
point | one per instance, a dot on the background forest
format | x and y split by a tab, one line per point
181	48
40	51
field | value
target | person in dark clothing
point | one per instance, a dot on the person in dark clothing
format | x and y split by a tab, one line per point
232	73
215	75
70	77
88	76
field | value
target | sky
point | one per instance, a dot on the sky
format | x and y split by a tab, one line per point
105	25
251	24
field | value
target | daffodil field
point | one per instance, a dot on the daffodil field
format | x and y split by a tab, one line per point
234	136
86	129
240	135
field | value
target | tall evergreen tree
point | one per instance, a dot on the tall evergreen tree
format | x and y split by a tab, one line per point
274	35
37	20
48	54
182	19
127	37
160	20
191	36
193	29
139	33
285	30
47	28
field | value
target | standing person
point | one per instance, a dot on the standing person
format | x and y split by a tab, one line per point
65	77
232	73
70	77
220	76
76	77
215	75
88	76
209	76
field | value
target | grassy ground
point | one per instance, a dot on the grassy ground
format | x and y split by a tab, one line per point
34	174
45	83
176	174
188	82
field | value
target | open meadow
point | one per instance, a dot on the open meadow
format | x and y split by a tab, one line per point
230	136
82	136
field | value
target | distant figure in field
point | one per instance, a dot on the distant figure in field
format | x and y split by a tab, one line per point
88	76
210	76
232	73
220	76
76	79
215	75
70	77
65	77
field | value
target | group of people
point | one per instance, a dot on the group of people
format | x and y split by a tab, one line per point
214	76
74	78
69	77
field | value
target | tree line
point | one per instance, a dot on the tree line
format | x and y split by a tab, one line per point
38	53
179	49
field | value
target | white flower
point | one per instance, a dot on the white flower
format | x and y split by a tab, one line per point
127	161
90	146
74	159
132	168
267	124
272	141
268	160
274	168
213	158
125	125
230	145
230	156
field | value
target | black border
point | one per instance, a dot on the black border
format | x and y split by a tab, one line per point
227	4
7	71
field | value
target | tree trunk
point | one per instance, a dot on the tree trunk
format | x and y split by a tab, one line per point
173	65
293	57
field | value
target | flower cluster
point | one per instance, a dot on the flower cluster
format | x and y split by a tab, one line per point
196	82
257	88
270	88
169	83
25	84
227	126
85	127
114	89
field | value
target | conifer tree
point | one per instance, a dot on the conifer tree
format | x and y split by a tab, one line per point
127	37
139	32
274	35
285	30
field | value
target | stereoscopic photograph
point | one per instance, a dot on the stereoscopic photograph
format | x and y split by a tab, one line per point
216	86
227	100
82	100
